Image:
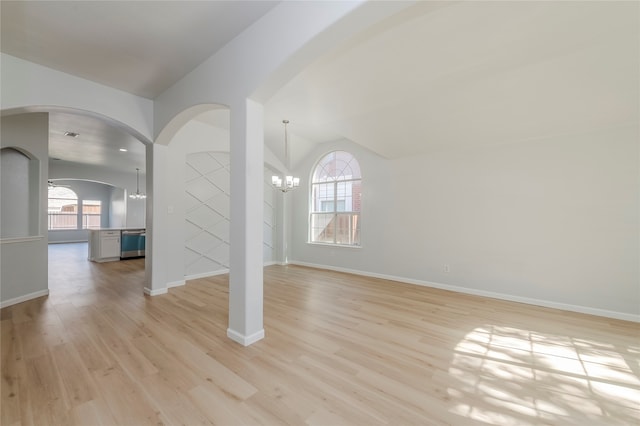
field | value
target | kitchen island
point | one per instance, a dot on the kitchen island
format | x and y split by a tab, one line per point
111	244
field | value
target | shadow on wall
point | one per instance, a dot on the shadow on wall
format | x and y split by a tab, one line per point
20	193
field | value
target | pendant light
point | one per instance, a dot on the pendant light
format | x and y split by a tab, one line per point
138	195
289	183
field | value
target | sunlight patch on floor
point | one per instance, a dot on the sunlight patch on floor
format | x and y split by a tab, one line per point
575	379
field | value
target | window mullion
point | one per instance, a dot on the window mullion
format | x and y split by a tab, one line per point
79	224
336	171
335	211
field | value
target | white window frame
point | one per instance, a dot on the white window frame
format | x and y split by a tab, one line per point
77	201
352	214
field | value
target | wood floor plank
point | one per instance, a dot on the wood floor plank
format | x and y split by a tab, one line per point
174	403
180	379
92	350
76	382
270	411
277	383
11	369
342	398
126	400
45	391
340	349
219	407
92	412
126	355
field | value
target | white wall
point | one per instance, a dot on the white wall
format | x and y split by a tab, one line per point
552	221
23	264
193	153
30	86
193	137
118	211
18	192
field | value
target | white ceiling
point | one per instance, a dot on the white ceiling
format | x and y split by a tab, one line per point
141	47
441	75
459	75
98	143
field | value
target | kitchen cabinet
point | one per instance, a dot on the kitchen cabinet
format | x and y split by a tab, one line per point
104	245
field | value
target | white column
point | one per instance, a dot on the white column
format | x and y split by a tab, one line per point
156	254
247	169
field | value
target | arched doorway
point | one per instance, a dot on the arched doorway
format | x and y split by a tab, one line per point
30	129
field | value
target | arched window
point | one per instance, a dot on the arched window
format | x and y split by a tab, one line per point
63	208
336	194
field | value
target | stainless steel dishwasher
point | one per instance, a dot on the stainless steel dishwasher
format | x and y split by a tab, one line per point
132	243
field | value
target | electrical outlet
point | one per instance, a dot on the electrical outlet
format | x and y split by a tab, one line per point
446	268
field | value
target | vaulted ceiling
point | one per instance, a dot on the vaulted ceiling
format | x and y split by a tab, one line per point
440	75
140	47
466	74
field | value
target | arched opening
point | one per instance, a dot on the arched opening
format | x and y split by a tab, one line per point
198	152
198	197
186	133
102	150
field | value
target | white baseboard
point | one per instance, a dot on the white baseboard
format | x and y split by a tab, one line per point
502	296
24	298
206	274
156	292
245	340
165	290
222	272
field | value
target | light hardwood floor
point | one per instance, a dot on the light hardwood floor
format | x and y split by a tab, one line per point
339	350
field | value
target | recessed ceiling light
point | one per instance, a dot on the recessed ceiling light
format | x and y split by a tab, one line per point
123	149
72	134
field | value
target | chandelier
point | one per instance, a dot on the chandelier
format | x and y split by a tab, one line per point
288	183
138	195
